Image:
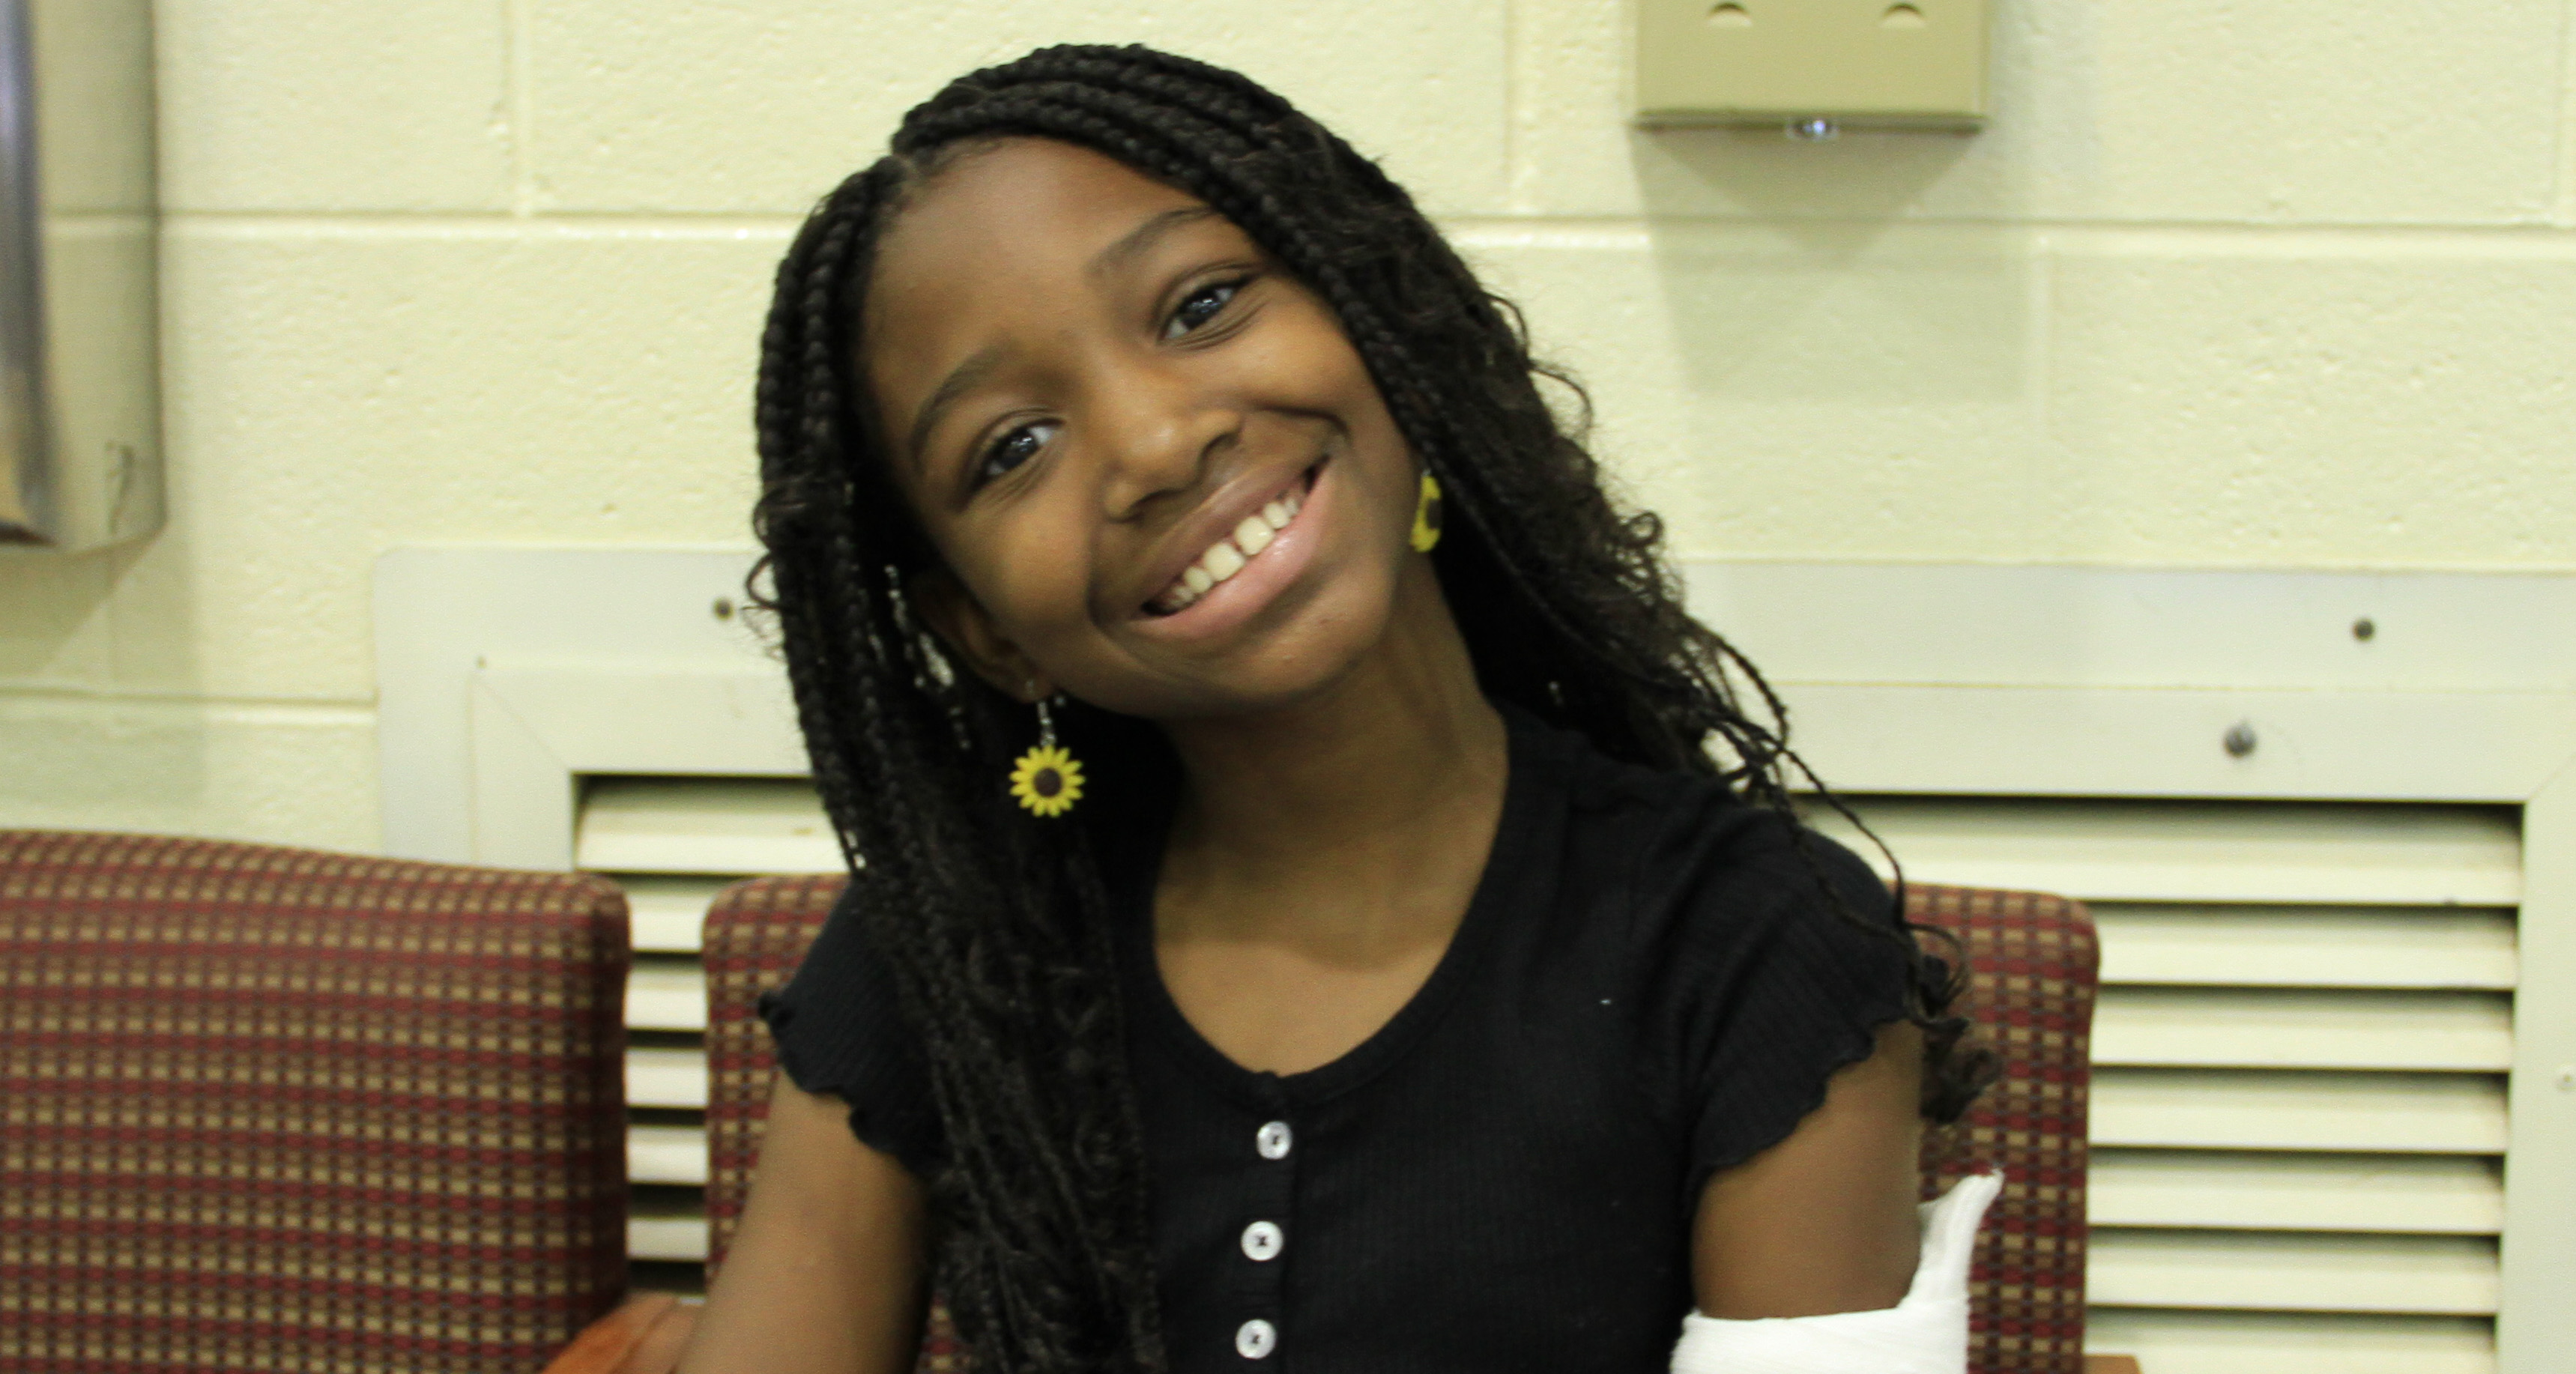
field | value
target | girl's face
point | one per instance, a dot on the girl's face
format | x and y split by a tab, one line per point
1160	476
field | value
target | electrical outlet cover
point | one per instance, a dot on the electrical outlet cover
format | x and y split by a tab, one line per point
1859	62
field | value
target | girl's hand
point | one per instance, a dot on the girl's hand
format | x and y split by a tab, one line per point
1825	1220
825	1274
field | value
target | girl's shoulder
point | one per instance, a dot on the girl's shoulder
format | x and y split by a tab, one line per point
1687	843
1756	955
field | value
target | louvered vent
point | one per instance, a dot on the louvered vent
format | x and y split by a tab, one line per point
672	843
2298	1112
2299	1097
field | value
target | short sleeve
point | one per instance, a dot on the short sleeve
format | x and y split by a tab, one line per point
1759	988
839	1031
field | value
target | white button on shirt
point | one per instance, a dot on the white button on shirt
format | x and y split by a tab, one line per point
1255	1339
1262	1239
1273	1140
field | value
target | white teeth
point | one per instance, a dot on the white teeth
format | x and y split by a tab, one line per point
1227	556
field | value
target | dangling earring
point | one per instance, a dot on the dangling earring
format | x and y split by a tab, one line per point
1426	515
1046	780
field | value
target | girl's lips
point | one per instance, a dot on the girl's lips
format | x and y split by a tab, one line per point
1231	551
1231	602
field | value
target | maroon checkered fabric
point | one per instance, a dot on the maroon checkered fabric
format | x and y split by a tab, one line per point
2033	964
272	1109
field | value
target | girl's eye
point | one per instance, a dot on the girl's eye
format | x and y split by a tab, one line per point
1199	307
1012	449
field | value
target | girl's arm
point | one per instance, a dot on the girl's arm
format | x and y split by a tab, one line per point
825	1274
1825	1220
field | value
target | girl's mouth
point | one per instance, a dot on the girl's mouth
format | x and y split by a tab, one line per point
1230	553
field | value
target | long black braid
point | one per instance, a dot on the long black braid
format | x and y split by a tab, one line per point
996	926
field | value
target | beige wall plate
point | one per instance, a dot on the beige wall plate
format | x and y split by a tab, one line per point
1858	62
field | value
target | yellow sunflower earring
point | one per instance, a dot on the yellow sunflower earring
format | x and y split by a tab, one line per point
1426	515
1046	779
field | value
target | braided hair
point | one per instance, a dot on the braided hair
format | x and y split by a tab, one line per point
995	927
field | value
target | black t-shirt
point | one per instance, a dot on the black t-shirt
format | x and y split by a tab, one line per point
1648	986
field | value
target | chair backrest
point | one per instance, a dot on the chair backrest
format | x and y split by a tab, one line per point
2032	963
268	1108
755	934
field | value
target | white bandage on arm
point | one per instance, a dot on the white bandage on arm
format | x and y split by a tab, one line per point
1925	1334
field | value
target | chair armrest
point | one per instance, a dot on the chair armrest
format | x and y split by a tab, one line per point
643	1336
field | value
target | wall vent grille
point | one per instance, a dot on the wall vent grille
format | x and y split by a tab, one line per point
2339	968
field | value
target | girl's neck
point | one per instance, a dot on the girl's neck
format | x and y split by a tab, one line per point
1381	769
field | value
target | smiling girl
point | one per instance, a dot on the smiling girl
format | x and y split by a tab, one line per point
1316	900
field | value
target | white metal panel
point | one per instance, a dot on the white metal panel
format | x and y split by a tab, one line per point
2185	1342
668	913
657	1077
2295	1192
704	825
2303	1028
666	993
443	614
2540	1184
2095	742
2218	1109
2296	946
1975	625
2291	1271
2202	851
666	1235
663	1154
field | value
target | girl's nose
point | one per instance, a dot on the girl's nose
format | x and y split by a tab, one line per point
1157	434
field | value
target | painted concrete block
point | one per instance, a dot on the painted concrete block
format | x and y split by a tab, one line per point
353	105
1776	392
303	776
2382	111
715	106
55	628
2312	401
378	384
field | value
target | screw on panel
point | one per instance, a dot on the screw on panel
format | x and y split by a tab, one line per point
2363	629
724	608
2239	739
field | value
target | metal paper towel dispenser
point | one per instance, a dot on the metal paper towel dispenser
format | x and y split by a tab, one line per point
80	412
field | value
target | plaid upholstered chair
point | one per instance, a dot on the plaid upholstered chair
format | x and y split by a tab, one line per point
756	933
2033	960
269	1108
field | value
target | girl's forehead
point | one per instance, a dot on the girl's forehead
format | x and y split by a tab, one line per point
1019	204
1007	238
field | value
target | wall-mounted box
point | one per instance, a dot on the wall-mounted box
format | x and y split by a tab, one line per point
80	410
1898	63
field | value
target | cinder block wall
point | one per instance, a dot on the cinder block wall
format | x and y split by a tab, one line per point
2225	284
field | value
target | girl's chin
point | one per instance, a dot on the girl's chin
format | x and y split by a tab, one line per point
1314	648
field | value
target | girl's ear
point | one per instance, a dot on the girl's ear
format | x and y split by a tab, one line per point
961	623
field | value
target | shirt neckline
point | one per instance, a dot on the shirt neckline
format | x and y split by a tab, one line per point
1528	760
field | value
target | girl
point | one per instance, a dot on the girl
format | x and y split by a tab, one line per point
1295	917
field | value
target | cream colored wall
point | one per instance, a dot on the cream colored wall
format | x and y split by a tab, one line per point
2224	284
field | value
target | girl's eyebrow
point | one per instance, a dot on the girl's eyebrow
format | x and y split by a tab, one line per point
960	379
1137	241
